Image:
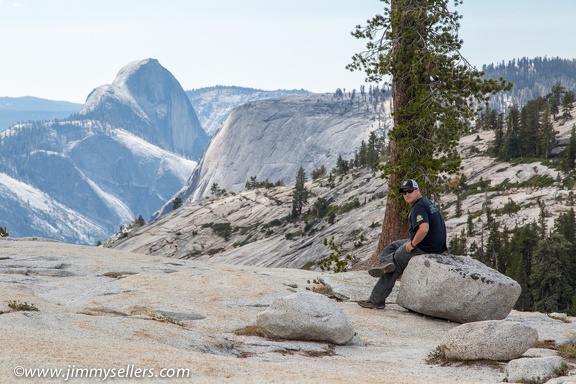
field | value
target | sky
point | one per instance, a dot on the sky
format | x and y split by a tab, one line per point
63	49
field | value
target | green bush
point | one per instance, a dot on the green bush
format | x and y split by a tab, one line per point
222	229
19	306
336	261
537	181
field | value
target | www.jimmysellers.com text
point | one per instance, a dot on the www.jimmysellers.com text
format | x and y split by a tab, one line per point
74	372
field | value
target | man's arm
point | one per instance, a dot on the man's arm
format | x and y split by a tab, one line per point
423	229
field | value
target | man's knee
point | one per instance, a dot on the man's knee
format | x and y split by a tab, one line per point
386	257
403	256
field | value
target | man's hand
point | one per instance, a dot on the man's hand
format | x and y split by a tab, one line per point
409	247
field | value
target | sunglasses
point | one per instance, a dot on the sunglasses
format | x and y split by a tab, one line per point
405	192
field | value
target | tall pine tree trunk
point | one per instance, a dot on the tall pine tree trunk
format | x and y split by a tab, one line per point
395	224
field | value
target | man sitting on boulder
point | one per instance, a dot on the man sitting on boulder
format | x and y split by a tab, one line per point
427	235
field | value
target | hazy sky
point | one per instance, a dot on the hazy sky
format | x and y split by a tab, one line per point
62	49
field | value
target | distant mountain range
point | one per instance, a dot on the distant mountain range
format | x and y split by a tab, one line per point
24	109
214	104
130	148
124	154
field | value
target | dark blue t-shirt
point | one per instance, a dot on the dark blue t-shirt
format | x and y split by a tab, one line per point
426	212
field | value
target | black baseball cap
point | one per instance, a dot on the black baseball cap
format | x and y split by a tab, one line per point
408	185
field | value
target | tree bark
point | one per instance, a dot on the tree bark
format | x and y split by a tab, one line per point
395	223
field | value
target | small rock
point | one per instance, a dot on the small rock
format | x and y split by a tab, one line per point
306	316
488	340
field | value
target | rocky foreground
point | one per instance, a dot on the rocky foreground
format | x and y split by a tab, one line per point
98	311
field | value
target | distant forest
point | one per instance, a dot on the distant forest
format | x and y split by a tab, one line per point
540	258
532	78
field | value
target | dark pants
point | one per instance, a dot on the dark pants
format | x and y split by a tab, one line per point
395	253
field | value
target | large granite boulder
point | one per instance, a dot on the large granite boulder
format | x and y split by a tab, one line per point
488	340
536	370
456	288
306	316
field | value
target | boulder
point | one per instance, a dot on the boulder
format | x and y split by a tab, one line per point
488	340
560	329
534	369
456	288
563	380
306	316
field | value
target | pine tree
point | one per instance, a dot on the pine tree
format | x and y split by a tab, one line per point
547	137
486	120
252	183
457	244
551	286
511	147
493	245
529	128
565	225
176	203
554	98
299	193
433	90
542	218
474	250
342	166
496	123
138	222
458	203
362	155
318	172
503	260
569	154
320	207
522	245
470	226
372	154
568	99
215	189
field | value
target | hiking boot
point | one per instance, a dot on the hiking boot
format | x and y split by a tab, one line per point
370	305
381	269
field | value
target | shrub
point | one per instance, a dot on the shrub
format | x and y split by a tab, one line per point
222	229
19	306
538	181
335	261
293	235
215	251
176	203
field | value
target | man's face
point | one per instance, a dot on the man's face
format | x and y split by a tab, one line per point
411	195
